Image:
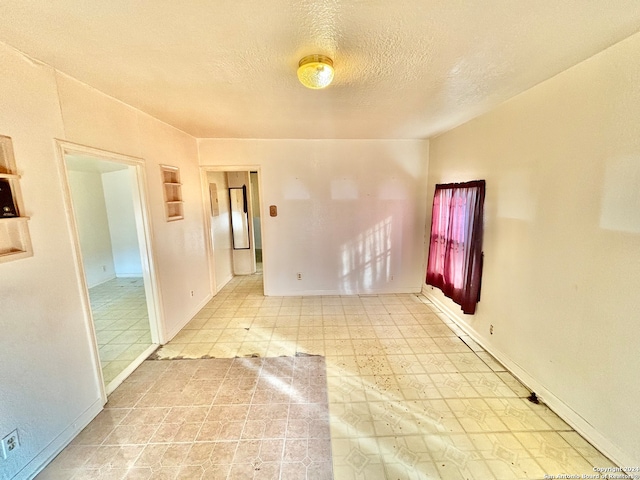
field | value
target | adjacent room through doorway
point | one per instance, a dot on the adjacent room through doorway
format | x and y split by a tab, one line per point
257	228
103	195
234	224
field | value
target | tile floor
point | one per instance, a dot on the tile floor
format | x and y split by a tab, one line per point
410	397
241	419
122	323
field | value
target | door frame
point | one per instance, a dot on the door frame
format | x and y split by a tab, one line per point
145	239
207	214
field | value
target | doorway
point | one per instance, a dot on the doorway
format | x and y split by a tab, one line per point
228	256
107	216
256	223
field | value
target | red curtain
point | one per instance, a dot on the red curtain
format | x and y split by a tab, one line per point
455	247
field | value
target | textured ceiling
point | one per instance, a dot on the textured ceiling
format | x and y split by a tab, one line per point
404	68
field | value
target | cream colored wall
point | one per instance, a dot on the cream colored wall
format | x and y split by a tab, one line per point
562	240
351	213
48	382
221	231
119	201
255	209
180	251
244	260
561	270
90	211
44	347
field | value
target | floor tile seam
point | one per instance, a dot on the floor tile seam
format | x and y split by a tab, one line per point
118	445
413	435
404	401
437	460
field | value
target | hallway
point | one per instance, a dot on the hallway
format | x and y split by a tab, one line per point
409	397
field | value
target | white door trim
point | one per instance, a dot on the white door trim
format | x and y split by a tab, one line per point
145	237
207	216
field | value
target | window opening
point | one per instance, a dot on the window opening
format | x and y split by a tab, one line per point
455	246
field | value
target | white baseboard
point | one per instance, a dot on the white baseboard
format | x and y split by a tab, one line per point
101	281
42	459
315	293
564	411
223	283
129	275
188	318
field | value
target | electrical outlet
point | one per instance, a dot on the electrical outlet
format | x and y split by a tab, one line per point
104	268
299	276
10	444
391	277
192	293
491	329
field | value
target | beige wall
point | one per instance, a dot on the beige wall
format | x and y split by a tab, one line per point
87	194
48	383
351	213
562	240
179	246
562	270
43	346
119	200
244	260
221	232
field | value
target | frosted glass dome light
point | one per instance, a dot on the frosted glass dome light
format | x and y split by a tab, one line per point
315	71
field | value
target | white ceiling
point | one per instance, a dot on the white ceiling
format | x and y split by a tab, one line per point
227	68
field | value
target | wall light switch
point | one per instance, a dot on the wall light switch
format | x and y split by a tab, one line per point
273	210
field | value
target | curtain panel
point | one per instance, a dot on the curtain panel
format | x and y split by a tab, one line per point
455	246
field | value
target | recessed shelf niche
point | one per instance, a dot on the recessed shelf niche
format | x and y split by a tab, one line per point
15	242
172	189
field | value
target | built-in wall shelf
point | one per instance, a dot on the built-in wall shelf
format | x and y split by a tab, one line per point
15	242
172	189
14	219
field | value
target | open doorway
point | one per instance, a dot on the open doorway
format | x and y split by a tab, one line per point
107	212
233	192
255	213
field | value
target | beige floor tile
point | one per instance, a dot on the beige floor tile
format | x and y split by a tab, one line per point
409	397
121	322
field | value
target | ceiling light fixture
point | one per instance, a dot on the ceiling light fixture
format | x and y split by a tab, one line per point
315	71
